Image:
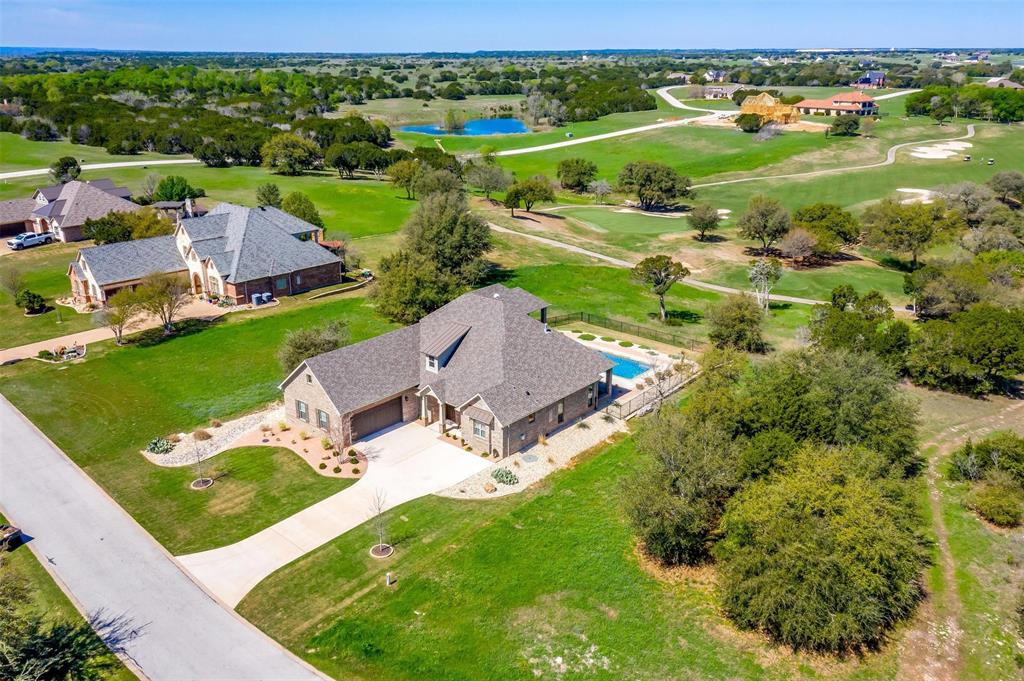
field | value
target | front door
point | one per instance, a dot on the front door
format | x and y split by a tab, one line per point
197	284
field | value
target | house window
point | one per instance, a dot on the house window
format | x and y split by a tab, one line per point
323	421
298	279
479	429
531	418
431	363
561	411
282	282
590	396
302	410
309	378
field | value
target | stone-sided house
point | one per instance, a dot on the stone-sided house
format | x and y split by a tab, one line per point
481	364
231	253
857	103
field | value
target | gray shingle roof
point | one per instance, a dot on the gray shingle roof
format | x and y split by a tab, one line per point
16	210
128	260
366	372
506	357
76	202
252	243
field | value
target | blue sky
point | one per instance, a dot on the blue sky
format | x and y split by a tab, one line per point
466	25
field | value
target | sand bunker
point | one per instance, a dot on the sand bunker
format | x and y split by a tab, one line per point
917	195
940	151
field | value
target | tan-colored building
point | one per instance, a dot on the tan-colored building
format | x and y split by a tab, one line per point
769	109
481	365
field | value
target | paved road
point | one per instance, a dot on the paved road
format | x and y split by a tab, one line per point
672	101
110	564
893	95
405	462
617	262
100	166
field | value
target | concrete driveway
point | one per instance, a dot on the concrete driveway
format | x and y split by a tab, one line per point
110	565
405	462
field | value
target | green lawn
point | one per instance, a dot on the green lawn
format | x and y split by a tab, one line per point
46	598
406	110
44	270
103	411
349	207
543	584
18	153
817	283
609	291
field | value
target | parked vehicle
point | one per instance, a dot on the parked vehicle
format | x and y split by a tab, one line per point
29	239
9	537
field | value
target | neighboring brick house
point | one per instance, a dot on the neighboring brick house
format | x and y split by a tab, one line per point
480	364
231	252
63	209
16	216
870	80
842	103
721	91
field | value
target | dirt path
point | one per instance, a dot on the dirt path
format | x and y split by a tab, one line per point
930	650
101	166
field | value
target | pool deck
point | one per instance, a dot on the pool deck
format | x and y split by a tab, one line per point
648	356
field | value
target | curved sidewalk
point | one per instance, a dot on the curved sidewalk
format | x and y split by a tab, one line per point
108	563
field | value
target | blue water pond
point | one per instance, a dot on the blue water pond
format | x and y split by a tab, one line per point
477	126
626	368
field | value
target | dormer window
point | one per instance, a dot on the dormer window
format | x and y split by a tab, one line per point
432	363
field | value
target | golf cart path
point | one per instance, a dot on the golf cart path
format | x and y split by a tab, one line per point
101	166
617	262
404	462
664	93
111	567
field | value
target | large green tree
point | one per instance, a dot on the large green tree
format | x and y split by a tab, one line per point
575	174
656	185
910	227
65	169
176	188
659	273
288	154
299	205
529	192
765	220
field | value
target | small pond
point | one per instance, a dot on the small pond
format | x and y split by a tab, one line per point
477	126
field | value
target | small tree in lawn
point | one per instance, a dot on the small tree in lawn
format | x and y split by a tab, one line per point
404	174
30	301
765	221
659	272
488	178
65	169
845	125
163	296
12	281
910	227
122	311
600	189
268	195
704	218
530	191
378	504
575	174
764	273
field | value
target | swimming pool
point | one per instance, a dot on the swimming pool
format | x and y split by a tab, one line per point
626	368
477	126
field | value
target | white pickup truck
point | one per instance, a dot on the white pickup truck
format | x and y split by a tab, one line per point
29	239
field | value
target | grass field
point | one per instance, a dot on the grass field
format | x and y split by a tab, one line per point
46	598
544	584
44	270
102	412
18	153
817	283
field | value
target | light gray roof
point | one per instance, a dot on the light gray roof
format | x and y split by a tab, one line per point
16	210
77	202
505	356
129	260
252	243
357	375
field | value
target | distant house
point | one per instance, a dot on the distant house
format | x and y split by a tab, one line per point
179	210
715	76
842	103
721	91
481	365
232	252
1003	82
870	80
63	208
677	75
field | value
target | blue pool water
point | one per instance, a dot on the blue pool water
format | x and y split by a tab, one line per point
626	368
477	126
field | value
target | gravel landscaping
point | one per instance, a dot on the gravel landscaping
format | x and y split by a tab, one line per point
184	452
536	462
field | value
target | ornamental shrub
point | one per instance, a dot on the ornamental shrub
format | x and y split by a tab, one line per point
337	469
353	460
998	499
323	466
202	435
159	445
587	336
504	476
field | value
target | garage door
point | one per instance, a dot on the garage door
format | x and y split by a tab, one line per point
374	419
